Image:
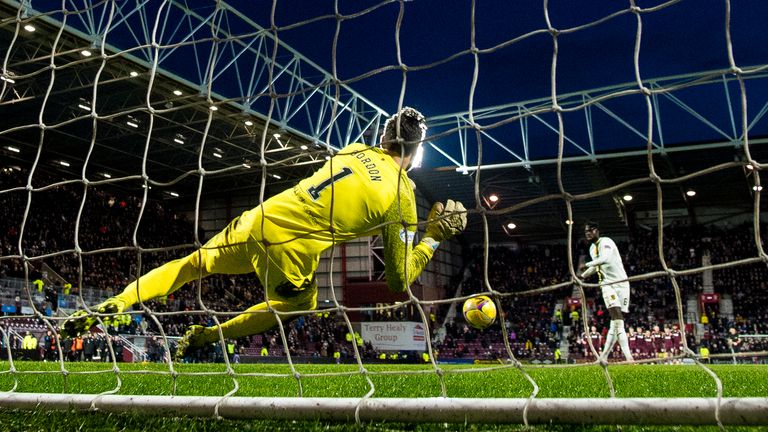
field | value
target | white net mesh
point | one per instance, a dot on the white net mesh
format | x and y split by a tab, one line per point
114	110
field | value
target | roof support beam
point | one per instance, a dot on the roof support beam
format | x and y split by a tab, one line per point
449	132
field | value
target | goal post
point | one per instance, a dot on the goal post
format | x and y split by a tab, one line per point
629	411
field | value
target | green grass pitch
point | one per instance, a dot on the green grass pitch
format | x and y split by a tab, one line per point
418	381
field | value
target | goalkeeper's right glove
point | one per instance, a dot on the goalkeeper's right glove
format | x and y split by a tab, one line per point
196	336
445	221
81	321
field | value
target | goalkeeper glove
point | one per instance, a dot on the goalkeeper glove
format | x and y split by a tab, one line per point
81	321
445	221
195	337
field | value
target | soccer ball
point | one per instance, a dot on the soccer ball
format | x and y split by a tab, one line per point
479	311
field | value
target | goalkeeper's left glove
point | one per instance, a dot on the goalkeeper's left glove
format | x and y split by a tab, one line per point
81	321
445	221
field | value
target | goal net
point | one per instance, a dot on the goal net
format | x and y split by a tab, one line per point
132	132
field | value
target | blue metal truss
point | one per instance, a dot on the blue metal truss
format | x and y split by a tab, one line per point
695	108
230	60
227	57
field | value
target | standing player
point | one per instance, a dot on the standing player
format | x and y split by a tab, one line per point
658	340
597	339
677	340
632	338
639	343
360	191
648	349
606	262
669	344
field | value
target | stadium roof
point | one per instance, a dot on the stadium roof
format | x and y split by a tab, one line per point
327	80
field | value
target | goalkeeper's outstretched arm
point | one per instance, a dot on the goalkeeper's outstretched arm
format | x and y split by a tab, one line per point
444	221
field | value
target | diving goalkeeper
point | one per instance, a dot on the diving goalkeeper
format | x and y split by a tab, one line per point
359	192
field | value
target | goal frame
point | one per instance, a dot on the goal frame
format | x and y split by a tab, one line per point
628	411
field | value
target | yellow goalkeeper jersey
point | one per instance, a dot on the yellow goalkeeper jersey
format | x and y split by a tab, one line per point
354	194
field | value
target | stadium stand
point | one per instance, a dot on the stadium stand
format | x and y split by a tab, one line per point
540	325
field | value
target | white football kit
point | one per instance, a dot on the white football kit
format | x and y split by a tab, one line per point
606	261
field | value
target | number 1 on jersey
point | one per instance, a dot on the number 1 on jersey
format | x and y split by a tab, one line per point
314	191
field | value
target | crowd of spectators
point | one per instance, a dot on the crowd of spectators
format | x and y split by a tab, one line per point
531	322
102	222
56	222
107	222
90	347
535	324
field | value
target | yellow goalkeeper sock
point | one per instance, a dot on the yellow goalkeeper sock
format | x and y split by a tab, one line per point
255	320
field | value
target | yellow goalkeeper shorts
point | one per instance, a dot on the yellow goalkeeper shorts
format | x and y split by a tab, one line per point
234	250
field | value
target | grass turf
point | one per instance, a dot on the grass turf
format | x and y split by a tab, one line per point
416	381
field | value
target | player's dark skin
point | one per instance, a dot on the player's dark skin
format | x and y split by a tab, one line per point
593	235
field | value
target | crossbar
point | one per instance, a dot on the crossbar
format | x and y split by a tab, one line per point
639	411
